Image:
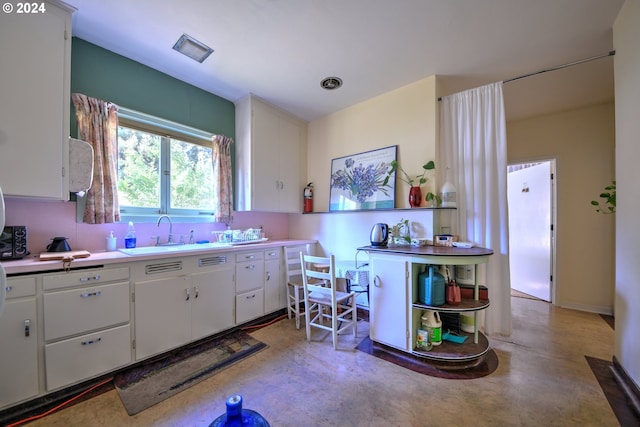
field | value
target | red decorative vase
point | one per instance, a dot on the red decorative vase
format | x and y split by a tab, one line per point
415	197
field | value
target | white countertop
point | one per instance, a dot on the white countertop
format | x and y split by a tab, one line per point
32	264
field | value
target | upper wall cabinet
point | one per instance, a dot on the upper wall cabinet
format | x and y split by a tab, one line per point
34	113
270	158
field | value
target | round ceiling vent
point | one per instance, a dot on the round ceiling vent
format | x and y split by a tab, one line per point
331	83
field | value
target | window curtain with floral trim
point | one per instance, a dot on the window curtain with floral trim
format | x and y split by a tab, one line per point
222	179
474	145
98	125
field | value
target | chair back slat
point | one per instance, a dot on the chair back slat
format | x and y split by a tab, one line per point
292	265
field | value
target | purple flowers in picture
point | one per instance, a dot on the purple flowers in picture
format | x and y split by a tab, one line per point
358	181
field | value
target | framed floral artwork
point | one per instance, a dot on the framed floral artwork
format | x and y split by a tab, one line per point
359	181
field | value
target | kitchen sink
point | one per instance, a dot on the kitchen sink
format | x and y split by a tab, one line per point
149	250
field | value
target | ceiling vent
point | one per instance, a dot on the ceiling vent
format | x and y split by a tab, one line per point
192	48
331	83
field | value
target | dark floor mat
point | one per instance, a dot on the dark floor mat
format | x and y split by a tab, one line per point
146	385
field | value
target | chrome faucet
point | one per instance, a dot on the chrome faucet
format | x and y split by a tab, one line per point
170	239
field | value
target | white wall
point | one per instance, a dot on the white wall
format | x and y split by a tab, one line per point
406	117
582	141
626	33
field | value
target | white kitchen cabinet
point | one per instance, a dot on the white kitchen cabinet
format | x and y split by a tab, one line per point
270	158
249	285
388	317
193	298
395	313
75	359
212	306
86	320
75	311
162	314
274	286
19	338
34	113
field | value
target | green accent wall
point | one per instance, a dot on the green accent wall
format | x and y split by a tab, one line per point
111	77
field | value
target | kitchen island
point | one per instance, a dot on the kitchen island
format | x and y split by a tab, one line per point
395	312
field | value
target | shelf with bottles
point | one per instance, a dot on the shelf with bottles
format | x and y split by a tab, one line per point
475	344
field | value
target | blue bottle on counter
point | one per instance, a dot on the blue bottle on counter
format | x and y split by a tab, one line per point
130	237
238	417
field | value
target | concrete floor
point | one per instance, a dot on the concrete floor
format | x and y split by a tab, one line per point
542	379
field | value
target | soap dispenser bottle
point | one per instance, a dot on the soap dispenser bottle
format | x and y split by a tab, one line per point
111	242
130	237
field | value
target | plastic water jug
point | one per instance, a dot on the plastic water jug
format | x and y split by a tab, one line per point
431	322
238	417
431	287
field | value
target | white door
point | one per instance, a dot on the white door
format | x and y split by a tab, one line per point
530	200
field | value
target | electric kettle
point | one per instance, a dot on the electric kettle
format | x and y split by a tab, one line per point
58	244
379	234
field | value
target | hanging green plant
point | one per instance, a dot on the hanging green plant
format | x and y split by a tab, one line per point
608	204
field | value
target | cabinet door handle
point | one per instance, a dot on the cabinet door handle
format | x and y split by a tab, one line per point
27	327
251	296
186	290
89	342
249	256
87	279
90	294
196	292
376	281
250	267
268	276
9	288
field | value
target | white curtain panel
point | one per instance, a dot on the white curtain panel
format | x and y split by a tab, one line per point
473	145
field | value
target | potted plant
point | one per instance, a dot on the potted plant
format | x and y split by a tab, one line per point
609	201
400	233
415	193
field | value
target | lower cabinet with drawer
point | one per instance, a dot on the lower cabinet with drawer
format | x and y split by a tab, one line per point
19	342
87	327
249	285
74	359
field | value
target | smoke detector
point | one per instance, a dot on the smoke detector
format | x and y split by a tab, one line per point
331	83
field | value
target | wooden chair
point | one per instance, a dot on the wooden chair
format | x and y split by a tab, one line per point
294	281
323	301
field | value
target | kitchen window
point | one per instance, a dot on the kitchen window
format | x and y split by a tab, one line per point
163	168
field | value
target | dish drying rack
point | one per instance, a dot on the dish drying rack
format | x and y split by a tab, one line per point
239	236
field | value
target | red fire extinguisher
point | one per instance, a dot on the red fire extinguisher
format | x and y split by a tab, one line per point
308	198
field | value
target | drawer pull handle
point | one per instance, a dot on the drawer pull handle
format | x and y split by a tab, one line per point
89	342
196	291
249	256
90	294
186	290
272	254
9	288
251	296
87	279
250	267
